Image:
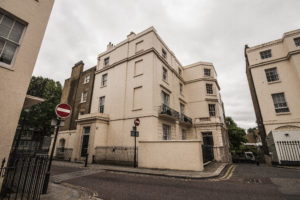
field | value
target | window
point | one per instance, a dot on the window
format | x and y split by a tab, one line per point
212	110
164	53
265	54
272	74
165	74
179	71
181	108
101	107
207	72
165	98
297	41
183	134
209	89
11	32
106	61
139	46
280	103
84	97
104	80
86	79
181	88
138	68
137	98
166	132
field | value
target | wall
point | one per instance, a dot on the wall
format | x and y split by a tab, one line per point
175	155
14	81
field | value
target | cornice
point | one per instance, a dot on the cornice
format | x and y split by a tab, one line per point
287	57
204	79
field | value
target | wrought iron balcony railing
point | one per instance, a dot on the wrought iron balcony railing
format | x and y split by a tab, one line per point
186	119
166	110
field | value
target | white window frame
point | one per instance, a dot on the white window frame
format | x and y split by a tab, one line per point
207	70
104	80
280	103
166	132
101	104
106	61
164	53
297	41
165	97
212	110
271	74
6	40
165	74
84	97
209	88
181	88
265	54
86	79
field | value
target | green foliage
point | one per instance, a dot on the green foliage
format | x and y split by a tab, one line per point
39	116
237	135
250	130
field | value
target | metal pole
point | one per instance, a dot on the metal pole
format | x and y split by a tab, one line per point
134	164
47	177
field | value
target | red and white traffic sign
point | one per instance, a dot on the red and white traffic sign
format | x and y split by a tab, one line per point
63	110
137	121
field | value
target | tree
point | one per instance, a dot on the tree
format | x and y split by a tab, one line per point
236	135
250	130
39	116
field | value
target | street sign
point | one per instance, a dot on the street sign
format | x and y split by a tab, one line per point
63	110
54	123
134	133
137	121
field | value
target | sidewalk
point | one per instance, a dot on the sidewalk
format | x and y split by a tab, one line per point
212	170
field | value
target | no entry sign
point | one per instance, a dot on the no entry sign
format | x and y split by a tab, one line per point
63	110
137	121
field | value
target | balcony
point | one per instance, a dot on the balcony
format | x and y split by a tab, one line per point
167	112
185	119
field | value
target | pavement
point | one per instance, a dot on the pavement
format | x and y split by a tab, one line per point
60	189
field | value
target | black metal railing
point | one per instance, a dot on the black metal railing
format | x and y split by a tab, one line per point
23	177
166	110
63	154
186	119
208	153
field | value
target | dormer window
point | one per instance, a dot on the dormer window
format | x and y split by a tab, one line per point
207	72
106	61
164	53
265	54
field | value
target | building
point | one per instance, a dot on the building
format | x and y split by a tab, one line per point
273	72
22	28
77	92
178	106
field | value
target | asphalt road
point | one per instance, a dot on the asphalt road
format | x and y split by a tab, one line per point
244	181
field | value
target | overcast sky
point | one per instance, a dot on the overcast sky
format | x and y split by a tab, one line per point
195	30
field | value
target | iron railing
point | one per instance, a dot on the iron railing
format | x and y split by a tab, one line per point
208	153
166	110
23	177
186	119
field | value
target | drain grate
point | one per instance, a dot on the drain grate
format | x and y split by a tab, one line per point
253	181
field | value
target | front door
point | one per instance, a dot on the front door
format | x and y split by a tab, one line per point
85	141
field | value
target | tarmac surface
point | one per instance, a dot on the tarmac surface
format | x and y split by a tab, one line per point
237	181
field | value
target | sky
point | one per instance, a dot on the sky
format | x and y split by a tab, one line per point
195	30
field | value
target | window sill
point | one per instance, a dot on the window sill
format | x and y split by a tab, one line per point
137	109
283	113
279	81
214	95
83	102
8	67
103	86
137	75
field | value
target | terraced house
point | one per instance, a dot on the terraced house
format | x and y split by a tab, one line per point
273	72
179	107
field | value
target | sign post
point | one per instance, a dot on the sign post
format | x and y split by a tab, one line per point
62	111
135	134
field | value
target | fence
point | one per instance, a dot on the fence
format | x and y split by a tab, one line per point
289	152
23	178
208	153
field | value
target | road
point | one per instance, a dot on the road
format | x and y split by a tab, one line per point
243	181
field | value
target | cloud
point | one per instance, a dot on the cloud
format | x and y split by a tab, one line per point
197	30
